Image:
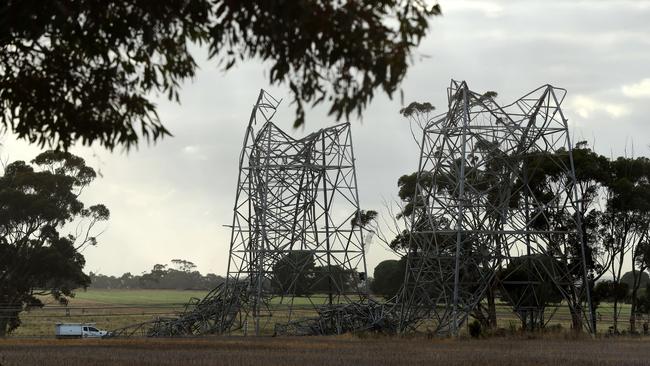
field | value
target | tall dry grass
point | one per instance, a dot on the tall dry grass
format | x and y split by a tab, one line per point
339	351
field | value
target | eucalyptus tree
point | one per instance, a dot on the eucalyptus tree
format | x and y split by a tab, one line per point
43	228
388	277
626	220
88	70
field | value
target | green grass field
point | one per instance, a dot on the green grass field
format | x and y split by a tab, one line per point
135	297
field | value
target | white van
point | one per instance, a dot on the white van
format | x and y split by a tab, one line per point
78	330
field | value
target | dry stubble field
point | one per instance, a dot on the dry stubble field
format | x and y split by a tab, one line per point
313	351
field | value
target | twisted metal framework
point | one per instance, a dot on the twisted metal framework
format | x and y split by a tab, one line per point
296	241
214	314
296	249
369	315
495	190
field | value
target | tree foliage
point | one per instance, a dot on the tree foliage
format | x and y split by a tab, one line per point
609	290
363	218
527	281
388	277
334	279
626	221
417	108
296	273
630	278
86	70
37	201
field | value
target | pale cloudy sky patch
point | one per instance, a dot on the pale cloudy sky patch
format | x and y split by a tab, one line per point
637	90
586	106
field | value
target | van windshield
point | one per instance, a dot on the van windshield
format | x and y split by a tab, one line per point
92	329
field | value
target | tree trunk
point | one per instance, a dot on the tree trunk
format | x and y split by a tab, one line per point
576	317
592	311
633	309
480	317
617	281
633	313
4	323
636	283
9	319
615	319
492	309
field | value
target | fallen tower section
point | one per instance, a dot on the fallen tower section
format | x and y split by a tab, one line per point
496	216
296	259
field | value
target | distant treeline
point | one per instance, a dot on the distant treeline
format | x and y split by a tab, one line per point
296	273
181	275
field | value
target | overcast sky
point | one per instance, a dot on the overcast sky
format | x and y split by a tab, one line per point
171	200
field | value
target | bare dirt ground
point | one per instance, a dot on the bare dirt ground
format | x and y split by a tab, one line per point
312	351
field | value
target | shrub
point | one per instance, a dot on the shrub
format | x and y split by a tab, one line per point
475	329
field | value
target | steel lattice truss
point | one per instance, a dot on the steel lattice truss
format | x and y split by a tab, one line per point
297	234
294	233
214	314
482	204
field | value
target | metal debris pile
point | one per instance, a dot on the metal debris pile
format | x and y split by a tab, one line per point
214	314
367	316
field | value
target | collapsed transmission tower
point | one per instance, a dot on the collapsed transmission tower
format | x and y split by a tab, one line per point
297	263
297	236
495	213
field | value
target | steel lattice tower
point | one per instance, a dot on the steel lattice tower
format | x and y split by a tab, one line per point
482	204
295	242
